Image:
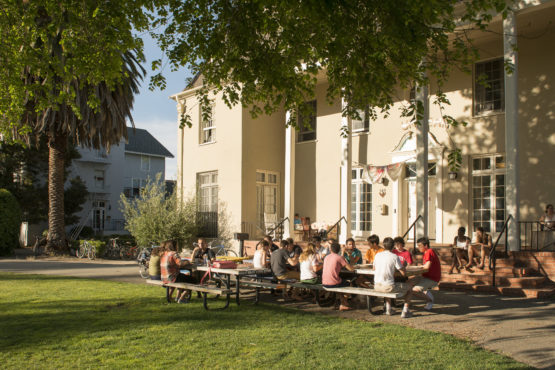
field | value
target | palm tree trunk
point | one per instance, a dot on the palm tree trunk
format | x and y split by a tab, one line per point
56	228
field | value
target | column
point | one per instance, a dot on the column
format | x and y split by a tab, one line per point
289	185
346	176
181	109
511	130
422	163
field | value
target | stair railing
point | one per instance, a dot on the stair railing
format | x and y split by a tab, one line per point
337	226
413	227
278	226
492	254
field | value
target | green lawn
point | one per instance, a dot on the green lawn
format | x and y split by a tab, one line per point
61	322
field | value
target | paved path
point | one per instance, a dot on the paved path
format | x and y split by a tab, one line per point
521	328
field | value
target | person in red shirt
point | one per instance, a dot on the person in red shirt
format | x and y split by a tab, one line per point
404	255
429	279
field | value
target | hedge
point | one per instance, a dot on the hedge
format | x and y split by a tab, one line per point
10	221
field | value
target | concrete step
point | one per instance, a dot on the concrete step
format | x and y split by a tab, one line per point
546	290
499	271
487	279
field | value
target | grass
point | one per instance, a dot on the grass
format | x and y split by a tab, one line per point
62	322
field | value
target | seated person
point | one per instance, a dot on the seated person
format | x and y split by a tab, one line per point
374	243
273	246
202	250
385	265
429	280
170	264
261	257
548	219
462	250
399	250
483	241
309	265
333	264
154	263
298	223
321	250
295	248
279	260
351	253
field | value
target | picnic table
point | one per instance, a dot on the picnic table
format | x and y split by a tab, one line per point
369	270
238	273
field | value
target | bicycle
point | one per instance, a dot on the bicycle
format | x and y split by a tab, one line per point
221	250
143	260
129	252
86	249
113	249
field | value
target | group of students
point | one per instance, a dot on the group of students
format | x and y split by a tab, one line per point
165	264
323	262
466	251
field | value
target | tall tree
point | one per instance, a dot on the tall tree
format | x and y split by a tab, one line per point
267	54
70	69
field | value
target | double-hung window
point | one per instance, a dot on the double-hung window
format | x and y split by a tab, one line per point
145	163
489	87
207	125
488	192
362	124
207	183
307	122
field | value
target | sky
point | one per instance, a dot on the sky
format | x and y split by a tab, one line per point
155	111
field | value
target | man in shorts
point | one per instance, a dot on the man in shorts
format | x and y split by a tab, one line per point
385	265
421	286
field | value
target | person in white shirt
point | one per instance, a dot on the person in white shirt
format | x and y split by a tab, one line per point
385	265
309	265
261	257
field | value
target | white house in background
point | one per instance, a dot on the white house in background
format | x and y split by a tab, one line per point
125	169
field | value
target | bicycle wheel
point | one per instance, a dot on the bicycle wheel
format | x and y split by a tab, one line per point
143	269
92	253
80	253
230	253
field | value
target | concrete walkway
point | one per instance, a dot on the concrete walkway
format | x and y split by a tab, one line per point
520	328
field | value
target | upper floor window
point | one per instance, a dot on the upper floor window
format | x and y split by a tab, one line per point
489	87
207	125
145	163
307	122
362	124
99	179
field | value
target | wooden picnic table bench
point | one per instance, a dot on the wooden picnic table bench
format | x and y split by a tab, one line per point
370	294
204	289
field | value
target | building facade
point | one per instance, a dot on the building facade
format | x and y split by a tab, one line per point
125	169
375	178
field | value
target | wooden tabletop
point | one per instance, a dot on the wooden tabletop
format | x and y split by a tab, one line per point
236	271
410	271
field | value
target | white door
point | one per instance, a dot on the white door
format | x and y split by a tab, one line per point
412	211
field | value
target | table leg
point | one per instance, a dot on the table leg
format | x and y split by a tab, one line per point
237	290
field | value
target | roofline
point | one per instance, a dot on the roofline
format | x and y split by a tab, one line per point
185	93
150	154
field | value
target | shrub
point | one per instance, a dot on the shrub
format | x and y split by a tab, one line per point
153	217
99	244
10	220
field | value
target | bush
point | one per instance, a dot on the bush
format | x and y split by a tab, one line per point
155	218
99	244
10	220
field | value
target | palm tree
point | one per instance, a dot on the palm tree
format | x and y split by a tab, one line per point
94	128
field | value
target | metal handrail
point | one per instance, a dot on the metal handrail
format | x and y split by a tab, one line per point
336	224
412	226
280	224
492	255
540	227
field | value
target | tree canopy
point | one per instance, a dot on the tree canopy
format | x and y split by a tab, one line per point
267	54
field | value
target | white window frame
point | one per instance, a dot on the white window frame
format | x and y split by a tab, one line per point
307	134
363	124
479	102
145	163
266	181
207	127
492	172
357	183
99	179
211	185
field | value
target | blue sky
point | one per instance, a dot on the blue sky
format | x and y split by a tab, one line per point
155	111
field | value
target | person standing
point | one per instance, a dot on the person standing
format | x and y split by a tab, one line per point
423	285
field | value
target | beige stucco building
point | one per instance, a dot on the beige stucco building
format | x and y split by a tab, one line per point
260	170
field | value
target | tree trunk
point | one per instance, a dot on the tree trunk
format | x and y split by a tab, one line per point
56	228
